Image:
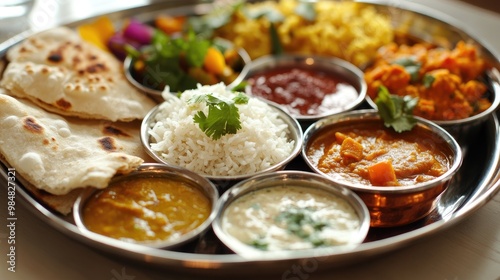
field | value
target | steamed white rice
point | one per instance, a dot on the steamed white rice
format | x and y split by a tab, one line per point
261	142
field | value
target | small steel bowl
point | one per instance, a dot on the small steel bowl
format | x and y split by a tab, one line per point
284	179
390	205
155	170
328	66
295	134
148	87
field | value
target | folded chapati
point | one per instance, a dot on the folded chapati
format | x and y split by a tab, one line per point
58	154
60	72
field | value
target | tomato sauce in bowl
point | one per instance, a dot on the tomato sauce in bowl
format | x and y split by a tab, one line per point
307	87
303	91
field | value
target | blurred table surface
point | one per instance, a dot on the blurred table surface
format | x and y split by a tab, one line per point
468	250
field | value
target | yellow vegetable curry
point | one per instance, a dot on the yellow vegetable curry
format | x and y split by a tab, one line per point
146	209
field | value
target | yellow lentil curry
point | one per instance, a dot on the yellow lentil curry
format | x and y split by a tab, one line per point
371	154
447	82
146	209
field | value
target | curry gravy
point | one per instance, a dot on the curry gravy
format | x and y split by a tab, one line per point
349	151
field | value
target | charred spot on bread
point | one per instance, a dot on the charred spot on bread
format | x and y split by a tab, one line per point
76	60
107	143
55	56
30	124
114	131
63	104
94	68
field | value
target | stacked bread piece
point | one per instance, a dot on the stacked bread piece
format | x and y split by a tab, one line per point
69	119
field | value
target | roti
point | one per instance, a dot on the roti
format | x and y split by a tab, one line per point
59	154
63	74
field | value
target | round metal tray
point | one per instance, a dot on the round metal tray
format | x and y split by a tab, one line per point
476	183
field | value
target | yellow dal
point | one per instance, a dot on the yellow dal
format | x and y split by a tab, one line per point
146	209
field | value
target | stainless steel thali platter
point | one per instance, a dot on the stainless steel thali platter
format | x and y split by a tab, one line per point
477	182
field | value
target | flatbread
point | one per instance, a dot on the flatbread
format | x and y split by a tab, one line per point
58	154
63	74
62	204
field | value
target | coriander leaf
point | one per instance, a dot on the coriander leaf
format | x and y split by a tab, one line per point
259	244
240	87
276	47
411	65
201	119
306	10
240	98
428	80
223	116
396	111
220	121
270	14
298	219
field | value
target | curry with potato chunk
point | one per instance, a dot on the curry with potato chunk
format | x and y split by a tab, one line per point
369	153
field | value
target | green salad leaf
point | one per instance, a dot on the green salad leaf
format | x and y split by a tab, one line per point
223	116
164	58
196	50
396	111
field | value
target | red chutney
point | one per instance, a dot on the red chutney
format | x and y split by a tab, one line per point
303	91
368	153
